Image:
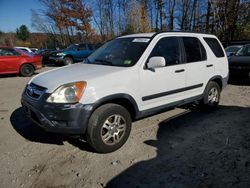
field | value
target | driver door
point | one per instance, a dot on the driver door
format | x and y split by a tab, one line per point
9	60
164	85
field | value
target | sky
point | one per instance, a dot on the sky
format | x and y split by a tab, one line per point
14	13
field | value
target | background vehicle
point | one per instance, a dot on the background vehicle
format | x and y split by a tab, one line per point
25	49
126	79
239	64
74	53
18	62
232	50
34	50
45	53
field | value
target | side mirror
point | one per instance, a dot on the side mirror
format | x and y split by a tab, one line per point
156	62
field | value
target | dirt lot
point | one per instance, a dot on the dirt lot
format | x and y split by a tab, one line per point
178	148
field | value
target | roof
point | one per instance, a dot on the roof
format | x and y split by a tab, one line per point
139	35
177	33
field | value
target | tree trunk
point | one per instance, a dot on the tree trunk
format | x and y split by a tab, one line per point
208	15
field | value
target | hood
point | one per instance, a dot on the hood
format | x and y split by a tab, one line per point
56	51
77	72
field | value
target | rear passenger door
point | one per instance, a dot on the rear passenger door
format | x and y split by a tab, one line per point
217	56
197	69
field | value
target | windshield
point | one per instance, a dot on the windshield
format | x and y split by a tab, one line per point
232	49
123	52
244	51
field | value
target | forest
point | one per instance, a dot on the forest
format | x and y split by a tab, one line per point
62	22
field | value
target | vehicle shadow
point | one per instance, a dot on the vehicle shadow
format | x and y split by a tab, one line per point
15	75
51	65
27	129
8	75
196	149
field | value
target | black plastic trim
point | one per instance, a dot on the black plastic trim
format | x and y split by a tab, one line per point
59	118
180	70
209	65
115	97
223	81
152	111
149	97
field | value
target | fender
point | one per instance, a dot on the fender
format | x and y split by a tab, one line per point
216	77
117	96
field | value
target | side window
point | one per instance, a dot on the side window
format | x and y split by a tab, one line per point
23	49
90	46
247	51
8	52
82	47
194	49
169	49
214	46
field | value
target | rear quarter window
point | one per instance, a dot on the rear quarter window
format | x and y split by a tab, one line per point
214	46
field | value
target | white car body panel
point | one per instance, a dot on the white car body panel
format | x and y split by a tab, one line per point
135	81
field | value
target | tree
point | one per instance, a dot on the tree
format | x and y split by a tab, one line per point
171	10
67	17
23	33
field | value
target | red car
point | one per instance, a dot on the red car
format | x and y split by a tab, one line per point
16	61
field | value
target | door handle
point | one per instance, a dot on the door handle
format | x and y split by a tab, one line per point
180	70
210	65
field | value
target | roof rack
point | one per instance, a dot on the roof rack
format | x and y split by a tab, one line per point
195	32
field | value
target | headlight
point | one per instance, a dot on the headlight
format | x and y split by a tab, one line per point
68	93
60	54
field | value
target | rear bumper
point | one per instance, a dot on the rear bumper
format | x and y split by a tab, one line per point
225	81
57	118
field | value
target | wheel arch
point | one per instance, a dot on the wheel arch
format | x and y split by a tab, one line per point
122	99
69	55
26	63
218	79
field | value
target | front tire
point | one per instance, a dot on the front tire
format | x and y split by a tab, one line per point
211	96
108	128
68	61
27	70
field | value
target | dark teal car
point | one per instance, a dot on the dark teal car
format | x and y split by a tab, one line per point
74	53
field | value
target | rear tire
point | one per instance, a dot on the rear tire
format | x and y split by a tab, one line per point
211	96
27	70
68	61
108	128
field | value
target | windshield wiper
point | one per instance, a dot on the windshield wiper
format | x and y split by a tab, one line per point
104	62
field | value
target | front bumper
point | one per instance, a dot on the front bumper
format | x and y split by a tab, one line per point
57	118
56	59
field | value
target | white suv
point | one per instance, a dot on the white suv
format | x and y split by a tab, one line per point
131	77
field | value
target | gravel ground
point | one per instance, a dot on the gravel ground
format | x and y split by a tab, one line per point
179	148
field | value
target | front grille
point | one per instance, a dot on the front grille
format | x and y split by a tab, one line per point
35	91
